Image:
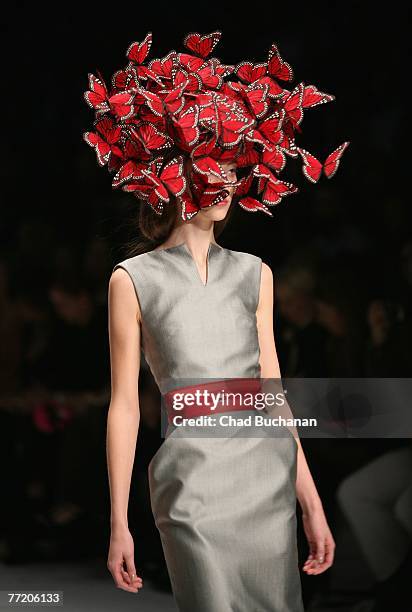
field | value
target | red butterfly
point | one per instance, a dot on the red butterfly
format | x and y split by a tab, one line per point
125	103
190	63
225	120
208	147
292	104
208	77
277	68
253	205
274	159
147	115
287	142
171	100
249	203
186	127
105	140
222	70
194	82
312	168
273	188
213	194
312	97
157	186
207	193
125	79
97	97
271	128
202	45
230	130
248	156
207	165
122	104
255	96
275	90
254	136
150	137
188	206
114	163
137	53
208	197
131	169
249	73
243	186
163	68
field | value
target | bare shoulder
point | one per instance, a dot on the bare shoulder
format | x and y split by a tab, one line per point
122	294
266	279
267	274
266	288
120	281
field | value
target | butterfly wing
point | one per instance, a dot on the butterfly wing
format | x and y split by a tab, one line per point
187	127
172	176
163	68
202	45
312	97
174	99
249	157
154	102
277	68
188	206
150	137
121	104
312	168
271	127
105	139
333	160
138	52
257	99
292	104
101	147
209	79
249	73
244	185
275	190
190	63
213	194
96	97
252	205
207	165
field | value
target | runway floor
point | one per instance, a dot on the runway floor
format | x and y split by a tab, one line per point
86	587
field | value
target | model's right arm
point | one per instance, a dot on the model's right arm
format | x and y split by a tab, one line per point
122	422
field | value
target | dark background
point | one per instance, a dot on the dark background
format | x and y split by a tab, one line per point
341	252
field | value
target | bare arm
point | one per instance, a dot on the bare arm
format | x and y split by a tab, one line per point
122	421
306	492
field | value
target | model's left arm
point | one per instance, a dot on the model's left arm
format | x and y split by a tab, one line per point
320	540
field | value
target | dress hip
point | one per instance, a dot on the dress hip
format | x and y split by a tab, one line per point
225	509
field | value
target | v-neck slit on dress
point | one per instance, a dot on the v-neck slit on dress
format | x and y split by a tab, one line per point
225	507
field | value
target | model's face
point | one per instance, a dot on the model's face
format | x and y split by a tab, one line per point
217	212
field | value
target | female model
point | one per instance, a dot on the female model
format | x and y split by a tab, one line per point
226	513
176	132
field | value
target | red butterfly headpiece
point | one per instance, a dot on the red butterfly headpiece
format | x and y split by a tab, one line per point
156	115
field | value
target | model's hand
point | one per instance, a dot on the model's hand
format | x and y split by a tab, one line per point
320	540
121	560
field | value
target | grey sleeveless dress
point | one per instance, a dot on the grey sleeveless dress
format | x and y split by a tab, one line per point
225	507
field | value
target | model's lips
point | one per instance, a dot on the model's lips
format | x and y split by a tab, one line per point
223	202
